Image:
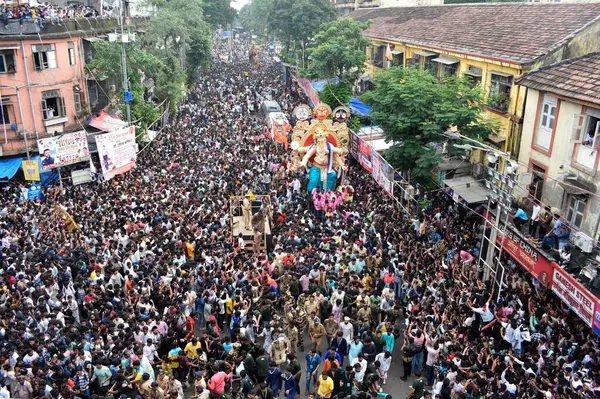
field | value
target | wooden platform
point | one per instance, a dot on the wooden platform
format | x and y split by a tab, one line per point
238	227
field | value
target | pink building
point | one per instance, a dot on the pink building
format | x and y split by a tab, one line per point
45	87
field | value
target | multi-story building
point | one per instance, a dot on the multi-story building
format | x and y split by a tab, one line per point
561	139
493	43
45	87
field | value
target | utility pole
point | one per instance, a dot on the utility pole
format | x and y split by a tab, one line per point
124	38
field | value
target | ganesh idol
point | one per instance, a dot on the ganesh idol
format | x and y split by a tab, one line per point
321	147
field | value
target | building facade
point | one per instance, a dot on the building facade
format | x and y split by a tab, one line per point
561	140
45	86
491	43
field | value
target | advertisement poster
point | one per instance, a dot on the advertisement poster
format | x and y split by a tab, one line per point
386	176
63	150
376	164
574	295
31	170
35	192
365	156
117	151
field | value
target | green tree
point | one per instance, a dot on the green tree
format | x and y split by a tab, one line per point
254	16
335	95
141	64
219	12
414	109
179	28
297	21
338	50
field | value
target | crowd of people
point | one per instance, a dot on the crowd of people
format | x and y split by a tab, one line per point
46	12
153	298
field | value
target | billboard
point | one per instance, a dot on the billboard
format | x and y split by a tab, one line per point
63	150
117	151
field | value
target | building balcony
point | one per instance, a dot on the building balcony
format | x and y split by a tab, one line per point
88	25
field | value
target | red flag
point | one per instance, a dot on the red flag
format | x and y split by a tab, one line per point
388	53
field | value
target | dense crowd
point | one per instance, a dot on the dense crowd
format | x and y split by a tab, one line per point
43	13
153	298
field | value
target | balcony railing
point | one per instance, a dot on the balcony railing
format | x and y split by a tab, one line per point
90	25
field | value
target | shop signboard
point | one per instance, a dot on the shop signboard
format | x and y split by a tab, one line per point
528	256
571	292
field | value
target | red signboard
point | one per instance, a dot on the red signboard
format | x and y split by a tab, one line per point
574	295
529	257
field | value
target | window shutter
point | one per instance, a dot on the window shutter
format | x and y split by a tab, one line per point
577	127
596	141
51	59
62	105
44	110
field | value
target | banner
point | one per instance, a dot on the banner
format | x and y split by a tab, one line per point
365	155
528	256
63	150
31	170
117	151
597	318
309	91
81	176
383	173
34	192
574	295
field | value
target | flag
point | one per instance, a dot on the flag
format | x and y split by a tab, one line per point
280	134
69	223
388	53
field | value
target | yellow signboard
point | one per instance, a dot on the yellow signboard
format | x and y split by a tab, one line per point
31	170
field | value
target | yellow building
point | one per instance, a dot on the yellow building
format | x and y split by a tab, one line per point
493	43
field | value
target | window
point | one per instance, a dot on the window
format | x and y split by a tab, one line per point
586	128
397	58
448	70
53	106
429	65
7	61
77	97
474	74
377	53
93	93
500	86
71	53
44	56
576	210
5	106
547	118
537	181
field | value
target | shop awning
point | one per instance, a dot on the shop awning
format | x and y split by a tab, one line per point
106	122
506	75
573	188
424	53
396	52
358	107
9	167
469	189
93	39
496	139
446	60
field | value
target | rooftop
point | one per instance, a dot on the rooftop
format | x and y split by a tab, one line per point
513	32
577	78
68	27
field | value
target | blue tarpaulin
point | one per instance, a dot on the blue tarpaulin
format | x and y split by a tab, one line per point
9	167
359	108
319	85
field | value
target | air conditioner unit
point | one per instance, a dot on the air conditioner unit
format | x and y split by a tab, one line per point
582	241
478	169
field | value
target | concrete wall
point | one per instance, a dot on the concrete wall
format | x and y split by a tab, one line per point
28	116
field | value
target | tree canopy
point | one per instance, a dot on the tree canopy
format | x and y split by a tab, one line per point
219	12
414	109
338	50
254	16
296	21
